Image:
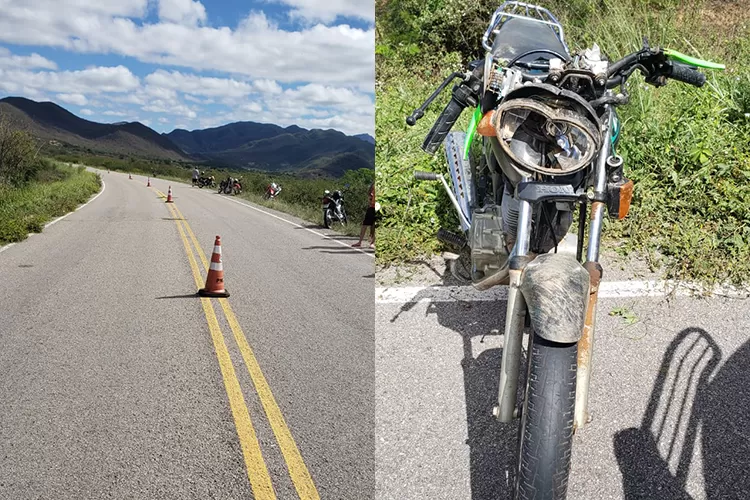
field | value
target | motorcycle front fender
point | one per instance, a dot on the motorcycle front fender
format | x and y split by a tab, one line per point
556	289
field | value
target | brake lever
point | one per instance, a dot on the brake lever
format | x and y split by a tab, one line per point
419	112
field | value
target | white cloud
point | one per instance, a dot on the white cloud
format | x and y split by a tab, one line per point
328	10
77	99
192	98
86	112
319	95
199	85
162	93
188	12
339	55
170	108
8	60
267	86
252	107
91	80
114	113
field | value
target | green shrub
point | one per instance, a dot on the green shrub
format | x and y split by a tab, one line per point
58	190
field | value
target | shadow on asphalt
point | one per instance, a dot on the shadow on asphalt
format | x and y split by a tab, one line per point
190	296
688	395
492	444
334	249
655	459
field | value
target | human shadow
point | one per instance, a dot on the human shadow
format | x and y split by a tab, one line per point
690	397
492	444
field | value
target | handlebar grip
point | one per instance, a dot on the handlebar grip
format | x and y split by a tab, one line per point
425	176
442	126
686	74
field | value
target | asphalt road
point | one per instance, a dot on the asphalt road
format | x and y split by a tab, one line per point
670	398
117	382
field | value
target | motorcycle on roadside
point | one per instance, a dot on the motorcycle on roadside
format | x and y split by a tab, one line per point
548	130
230	185
206	181
272	191
333	208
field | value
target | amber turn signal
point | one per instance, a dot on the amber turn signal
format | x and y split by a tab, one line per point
485	127
619	196
626	195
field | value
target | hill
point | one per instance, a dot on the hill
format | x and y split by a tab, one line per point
366	138
270	147
49	121
246	145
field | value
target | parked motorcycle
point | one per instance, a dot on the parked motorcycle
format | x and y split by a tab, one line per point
206	181
272	191
230	185
549	133
333	208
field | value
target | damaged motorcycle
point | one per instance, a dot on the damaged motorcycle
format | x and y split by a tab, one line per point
548	133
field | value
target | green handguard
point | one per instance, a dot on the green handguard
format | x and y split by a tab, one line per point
692	61
472	130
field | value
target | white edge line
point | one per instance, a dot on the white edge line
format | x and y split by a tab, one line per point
301	227
104	186
607	290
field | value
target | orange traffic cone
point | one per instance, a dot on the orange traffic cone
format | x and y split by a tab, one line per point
169	195
215	279
148	185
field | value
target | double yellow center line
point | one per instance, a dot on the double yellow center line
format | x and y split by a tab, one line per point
257	471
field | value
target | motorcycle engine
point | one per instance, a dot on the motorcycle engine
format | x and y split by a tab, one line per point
488	243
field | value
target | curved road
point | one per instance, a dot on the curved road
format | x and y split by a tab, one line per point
117	382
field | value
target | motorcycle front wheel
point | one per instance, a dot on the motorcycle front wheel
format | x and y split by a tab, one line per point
546	430
327	219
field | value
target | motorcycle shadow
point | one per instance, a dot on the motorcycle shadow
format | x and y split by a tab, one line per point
691	405
492	444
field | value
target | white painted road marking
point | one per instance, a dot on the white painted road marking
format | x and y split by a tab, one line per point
104	186
607	290
302	227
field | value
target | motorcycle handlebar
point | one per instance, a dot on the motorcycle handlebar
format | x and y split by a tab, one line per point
686	74
442	126
425	176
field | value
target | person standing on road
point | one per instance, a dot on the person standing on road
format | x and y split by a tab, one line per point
369	221
196	174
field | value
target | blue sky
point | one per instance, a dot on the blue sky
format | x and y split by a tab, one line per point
195	64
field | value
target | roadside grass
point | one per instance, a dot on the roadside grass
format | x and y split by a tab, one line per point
686	149
57	190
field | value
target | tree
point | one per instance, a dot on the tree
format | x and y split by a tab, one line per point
17	165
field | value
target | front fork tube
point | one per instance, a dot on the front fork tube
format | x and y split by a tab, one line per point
514	319
586	343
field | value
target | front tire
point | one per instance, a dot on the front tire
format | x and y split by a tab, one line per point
327	218
546	431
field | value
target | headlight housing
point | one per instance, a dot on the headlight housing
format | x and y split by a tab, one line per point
548	134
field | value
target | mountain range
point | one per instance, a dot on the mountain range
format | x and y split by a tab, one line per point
247	145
